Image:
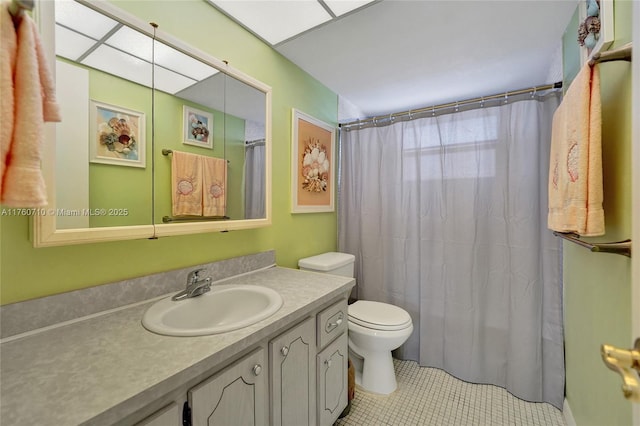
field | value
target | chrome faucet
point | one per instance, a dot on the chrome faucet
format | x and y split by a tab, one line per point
195	286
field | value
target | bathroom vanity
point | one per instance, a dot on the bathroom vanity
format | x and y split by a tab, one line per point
290	368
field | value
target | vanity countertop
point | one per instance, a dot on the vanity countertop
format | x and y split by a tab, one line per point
104	368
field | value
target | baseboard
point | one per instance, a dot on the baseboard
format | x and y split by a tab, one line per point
567	414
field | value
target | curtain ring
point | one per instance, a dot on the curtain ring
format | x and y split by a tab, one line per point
433	111
533	94
482	102
410	117
391	117
506	98
457	107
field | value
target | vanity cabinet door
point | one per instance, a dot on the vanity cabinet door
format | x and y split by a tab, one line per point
293	380
332	381
235	396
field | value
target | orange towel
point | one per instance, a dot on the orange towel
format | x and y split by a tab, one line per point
29	93
186	175
8	52
214	196
575	171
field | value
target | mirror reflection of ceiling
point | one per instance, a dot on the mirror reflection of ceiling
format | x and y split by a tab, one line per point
90	38
279	21
95	40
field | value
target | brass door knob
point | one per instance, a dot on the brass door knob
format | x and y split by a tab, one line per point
627	364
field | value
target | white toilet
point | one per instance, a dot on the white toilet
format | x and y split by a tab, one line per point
375	329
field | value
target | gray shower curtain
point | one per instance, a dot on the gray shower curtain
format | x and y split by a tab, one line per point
447	218
254	185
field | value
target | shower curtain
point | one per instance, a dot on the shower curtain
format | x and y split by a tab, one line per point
446	216
254	185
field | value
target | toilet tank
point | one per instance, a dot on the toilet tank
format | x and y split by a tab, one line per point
329	263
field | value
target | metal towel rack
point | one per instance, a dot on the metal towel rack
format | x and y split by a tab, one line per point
169	219
17	7
166	152
623	248
619	247
623	53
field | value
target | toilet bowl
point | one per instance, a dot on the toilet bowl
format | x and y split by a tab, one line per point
375	328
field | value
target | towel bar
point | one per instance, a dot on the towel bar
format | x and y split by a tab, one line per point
169	219
166	152
621	54
619	247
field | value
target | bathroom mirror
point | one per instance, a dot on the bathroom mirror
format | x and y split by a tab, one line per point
126	98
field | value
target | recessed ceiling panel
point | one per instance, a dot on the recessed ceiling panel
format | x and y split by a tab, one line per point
184	64
70	44
275	20
171	82
118	63
83	19
133	42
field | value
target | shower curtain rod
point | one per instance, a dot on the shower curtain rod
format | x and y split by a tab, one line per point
390	118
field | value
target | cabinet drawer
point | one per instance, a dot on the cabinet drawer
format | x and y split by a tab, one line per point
331	323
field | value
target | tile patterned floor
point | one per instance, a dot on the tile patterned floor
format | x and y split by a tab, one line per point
429	396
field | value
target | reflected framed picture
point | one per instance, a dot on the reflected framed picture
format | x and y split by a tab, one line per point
197	127
312	164
117	135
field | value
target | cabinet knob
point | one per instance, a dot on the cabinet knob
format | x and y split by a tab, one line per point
257	369
327	362
284	351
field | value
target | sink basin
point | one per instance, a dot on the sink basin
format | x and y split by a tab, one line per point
224	308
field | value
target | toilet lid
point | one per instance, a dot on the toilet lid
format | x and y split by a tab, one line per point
378	316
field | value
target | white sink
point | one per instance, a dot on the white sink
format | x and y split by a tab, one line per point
224	308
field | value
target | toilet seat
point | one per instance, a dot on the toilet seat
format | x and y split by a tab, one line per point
378	316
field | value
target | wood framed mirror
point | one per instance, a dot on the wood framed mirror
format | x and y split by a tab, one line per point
131	95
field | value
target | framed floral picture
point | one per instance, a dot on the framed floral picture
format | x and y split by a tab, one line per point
312	164
197	127
117	135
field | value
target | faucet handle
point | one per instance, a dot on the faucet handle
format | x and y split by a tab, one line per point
194	276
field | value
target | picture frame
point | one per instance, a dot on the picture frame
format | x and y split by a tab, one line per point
197	127
312	164
606	34
117	135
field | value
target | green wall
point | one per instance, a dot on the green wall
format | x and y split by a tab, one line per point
27	273
597	287
118	186
130	187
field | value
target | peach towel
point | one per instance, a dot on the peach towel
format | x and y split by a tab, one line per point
186	175
28	100
575	171
214	188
